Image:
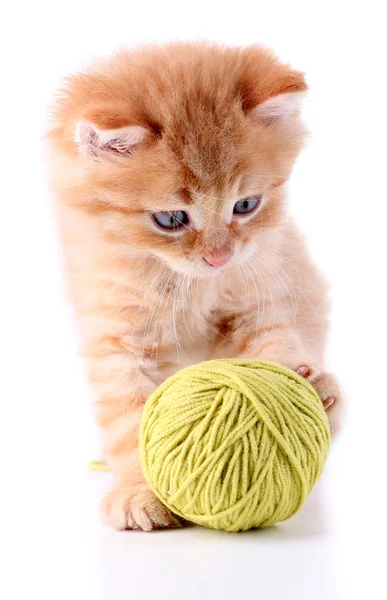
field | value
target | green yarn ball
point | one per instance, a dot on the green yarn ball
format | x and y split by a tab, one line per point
234	444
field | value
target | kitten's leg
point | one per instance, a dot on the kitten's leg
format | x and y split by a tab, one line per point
121	394
283	345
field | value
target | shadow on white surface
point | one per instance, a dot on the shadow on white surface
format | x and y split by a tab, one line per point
282	561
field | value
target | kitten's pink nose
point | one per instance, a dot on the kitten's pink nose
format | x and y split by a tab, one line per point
219	258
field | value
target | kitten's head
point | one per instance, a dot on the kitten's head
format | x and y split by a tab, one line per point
182	151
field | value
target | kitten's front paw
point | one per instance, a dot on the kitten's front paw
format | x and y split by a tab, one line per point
328	389
136	508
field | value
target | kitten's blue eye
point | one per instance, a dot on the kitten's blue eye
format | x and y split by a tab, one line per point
171	220
247	205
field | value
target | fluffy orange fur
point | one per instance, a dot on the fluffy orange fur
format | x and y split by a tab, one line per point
193	128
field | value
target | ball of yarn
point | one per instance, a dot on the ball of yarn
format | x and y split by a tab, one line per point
234	444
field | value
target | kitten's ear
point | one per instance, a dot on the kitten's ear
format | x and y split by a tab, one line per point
270	90
92	141
281	108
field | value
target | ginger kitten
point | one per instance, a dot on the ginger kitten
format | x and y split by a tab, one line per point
169	166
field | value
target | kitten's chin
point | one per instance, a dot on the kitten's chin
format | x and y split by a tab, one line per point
194	269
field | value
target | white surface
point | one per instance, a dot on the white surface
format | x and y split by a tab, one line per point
53	543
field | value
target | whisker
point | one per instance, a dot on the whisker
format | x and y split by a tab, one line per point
158	273
183	308
156	307
283	292
264	280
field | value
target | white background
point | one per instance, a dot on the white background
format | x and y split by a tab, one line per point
53	543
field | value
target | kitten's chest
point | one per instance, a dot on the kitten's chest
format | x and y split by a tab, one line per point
188	330
194	325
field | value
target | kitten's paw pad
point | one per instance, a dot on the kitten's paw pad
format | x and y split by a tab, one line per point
304	371
328	389
137	508
309	372
328	402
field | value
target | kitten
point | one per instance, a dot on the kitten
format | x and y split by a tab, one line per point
169	166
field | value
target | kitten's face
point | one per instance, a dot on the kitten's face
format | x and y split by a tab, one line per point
185	155
210	232
202	230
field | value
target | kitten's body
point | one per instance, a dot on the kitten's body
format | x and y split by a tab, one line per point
169	129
